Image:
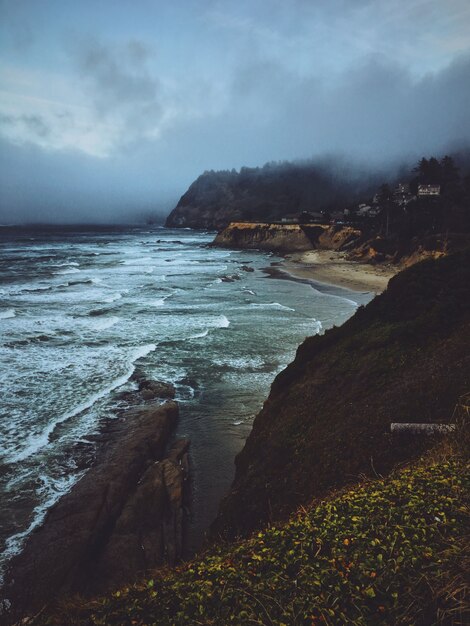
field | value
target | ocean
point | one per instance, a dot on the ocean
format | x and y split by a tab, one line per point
82	307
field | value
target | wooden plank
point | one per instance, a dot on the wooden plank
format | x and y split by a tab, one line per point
421	429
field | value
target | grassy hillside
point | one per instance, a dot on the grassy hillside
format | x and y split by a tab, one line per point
405	357
386	552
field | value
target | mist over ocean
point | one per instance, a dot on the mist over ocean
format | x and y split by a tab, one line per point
82	308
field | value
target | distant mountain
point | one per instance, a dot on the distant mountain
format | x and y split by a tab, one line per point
269	193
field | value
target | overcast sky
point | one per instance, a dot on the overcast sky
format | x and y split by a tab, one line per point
110	108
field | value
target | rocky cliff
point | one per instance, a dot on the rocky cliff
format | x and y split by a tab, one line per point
123	517
403	358
275	237
286	237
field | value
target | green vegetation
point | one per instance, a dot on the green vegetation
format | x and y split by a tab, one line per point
375	554
405	357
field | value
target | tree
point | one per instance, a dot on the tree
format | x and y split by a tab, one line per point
388	205
449	173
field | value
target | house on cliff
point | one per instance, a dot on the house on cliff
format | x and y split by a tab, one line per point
290	219
429	190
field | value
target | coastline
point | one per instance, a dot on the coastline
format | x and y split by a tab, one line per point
311	266
124	516
333	268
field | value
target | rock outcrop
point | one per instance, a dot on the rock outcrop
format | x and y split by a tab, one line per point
124	516
286	238
405	357
281	238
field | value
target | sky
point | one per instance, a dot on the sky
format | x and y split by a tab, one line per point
110	109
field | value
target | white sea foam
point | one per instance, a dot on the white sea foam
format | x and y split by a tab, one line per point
333	295
103	324
274	305
66	264
159	301
55	490
36	442
7	314
113	298
241	363
222	322
137	261
200	335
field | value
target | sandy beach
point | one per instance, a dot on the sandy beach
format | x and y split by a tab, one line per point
332	267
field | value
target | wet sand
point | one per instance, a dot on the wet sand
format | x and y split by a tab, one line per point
334	268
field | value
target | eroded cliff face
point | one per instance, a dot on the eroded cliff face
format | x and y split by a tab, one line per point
403	358
286	238
275	237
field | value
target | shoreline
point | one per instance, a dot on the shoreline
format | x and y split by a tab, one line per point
123	517
311	266
333	268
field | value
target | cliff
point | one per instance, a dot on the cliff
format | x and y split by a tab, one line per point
356	558
266	194
403	358
359	554
285	238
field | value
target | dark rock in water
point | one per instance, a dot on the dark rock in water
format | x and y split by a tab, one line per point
246	268
124	516
149	530
128	396
230	278
150	389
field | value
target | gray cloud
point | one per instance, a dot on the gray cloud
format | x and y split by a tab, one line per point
147	126
34	125
375	110
120	84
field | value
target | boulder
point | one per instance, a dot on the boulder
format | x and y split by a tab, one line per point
150	389
123	517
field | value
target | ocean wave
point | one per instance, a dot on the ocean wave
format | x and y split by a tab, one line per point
67	264
112	298
241	363
222	322
200	335
136	261
274	305
158	302
7	314
72	270
56	489
37	442
104	324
